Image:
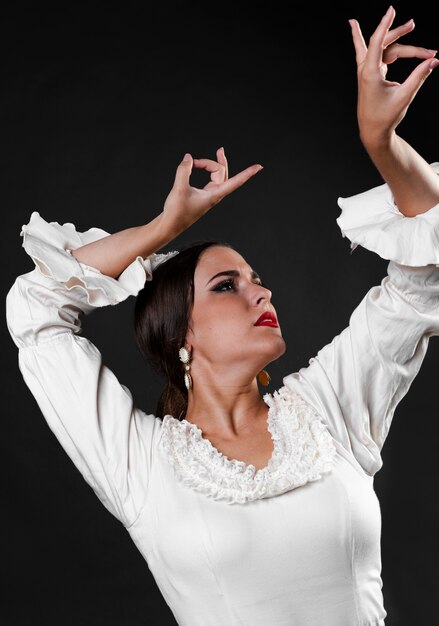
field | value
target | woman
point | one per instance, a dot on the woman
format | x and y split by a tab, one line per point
248	509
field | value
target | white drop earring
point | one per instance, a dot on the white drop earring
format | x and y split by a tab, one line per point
185	357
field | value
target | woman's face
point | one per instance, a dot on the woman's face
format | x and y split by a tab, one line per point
222	330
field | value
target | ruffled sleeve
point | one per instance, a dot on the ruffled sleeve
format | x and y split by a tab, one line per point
93	416
357	380
372	219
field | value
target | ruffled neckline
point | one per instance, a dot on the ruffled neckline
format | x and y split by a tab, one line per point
303	450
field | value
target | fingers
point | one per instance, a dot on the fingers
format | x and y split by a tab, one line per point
239	179
398	51
183	172
376	42
390	36
220	183
221	157
382	48
414	81
217	170
359	43
398	32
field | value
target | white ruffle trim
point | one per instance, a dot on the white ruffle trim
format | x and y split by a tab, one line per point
372	219
303	451
50	245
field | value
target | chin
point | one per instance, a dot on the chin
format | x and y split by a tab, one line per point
282	350
278	348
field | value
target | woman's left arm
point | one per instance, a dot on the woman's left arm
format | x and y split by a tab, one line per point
381	106
356	381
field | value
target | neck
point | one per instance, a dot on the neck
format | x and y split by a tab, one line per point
225	406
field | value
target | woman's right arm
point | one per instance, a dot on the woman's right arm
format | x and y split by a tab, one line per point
183	206
93	416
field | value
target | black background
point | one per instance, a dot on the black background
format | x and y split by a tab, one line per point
99	103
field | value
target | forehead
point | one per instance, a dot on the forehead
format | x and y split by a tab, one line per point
218	258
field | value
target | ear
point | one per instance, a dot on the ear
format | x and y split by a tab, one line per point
189	339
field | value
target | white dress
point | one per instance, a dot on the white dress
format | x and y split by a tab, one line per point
296	543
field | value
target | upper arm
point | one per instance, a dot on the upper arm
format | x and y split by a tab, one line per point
91	413
93	416
358	379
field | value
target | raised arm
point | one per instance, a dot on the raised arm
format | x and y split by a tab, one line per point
382	105
92	414
183	206
357	380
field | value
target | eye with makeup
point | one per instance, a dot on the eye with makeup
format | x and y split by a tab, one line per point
225	285
230	285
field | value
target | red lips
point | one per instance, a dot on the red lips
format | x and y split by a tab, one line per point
267	319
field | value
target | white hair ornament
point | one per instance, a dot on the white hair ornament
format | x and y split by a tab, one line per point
152	262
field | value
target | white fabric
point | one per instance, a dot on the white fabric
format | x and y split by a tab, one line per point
298	545
303	451
383	229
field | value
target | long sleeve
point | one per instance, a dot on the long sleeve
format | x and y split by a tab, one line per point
93	416
356	381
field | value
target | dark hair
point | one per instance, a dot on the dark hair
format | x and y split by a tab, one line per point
161	319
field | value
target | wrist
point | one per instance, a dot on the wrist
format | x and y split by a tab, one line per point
378	143
153	236
165	229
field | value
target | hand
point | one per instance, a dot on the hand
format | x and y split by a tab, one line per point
185	204
382	104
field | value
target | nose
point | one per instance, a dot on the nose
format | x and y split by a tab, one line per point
260	294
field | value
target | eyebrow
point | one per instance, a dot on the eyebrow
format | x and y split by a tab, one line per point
232	273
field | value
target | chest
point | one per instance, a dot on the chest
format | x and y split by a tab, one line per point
256	448
319	527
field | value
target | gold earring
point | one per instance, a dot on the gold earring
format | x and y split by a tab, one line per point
264	378
185	357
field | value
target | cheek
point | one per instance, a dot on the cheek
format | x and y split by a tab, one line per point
218	322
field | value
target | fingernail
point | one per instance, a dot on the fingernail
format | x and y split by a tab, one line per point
433	51
351	22
433	63
187	157
389	10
